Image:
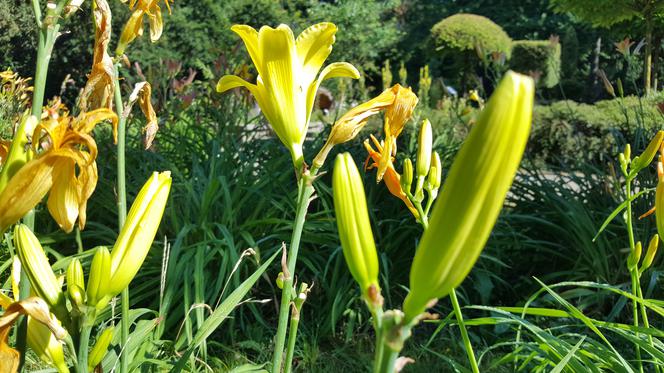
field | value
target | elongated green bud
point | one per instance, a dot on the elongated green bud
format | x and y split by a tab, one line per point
137	234
35	264
473	194
650	253
353	222
648	155
634	257
19	152
76	282
623	163
424	143
100	272
659	200
101	347
406	179
628	152
435	173
44	343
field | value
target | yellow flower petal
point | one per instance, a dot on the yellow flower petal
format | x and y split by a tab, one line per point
249	36
25	190
333	70
156	23
63	198
313	47
132	29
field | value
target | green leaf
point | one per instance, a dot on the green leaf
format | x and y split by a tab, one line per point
563	363
220	314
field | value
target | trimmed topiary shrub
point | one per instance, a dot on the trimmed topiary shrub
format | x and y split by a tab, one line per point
465	32
540	58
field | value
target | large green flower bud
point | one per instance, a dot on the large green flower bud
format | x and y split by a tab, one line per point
473	194
35	264
353	222
424	144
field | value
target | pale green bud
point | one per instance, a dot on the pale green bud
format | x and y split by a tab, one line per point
35	264
473	194
648	155
628	152
634	257
650	253
138	232
435	173
101	347
353	222
75	282
424	145
100	273
406	179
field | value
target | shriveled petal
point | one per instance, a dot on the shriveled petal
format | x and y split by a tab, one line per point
333	70
98	91
142	93
63	199
132	29
86	122
88	182
156	23
25	190
249	36
313	46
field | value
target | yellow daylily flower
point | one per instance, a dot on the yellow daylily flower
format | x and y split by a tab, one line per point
98	91
64	164
134	26
396	117
288	76
351	123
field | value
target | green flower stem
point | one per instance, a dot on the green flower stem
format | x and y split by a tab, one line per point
388	357
87	321
292	337
305	191
464	332
644	313
380	346
48	32
122	211
630	234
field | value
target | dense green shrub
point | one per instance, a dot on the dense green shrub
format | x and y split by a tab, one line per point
573	133
537	57
465	32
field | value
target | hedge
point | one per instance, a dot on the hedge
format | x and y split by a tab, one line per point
537	57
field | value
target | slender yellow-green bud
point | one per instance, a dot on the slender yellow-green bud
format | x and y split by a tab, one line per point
43	342
406	179
659	200
19	152
473	194
634	257
76	282
353	222
628	153
648	155
436	172
35	264
650	253
101	347
138	232
623	163
621	93
100	274
424	143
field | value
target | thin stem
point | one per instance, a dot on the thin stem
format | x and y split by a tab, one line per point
644	314
630	234
305	191
83	346
464	333
388	360
122	211
292	336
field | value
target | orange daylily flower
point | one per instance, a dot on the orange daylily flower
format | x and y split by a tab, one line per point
391	177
